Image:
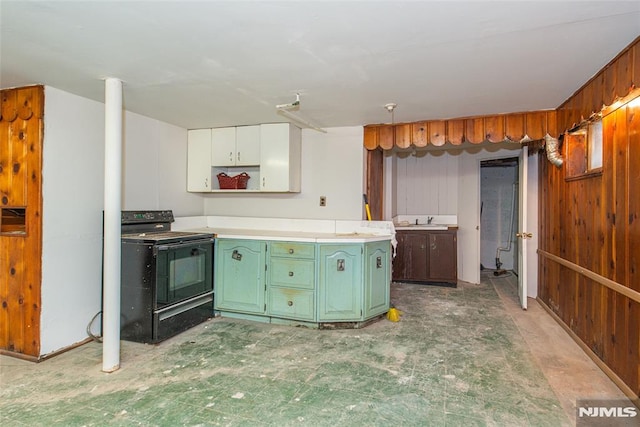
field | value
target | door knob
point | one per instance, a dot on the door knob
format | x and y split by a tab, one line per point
524	235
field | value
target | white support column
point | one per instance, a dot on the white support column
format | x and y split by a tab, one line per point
112	224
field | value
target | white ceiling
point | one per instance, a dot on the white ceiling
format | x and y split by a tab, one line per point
223	63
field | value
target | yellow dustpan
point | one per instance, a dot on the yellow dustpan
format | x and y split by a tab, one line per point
394	314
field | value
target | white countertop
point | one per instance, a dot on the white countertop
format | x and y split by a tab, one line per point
292	236
293	230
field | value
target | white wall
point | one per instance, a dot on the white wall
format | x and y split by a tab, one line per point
72	188
154	168
426	183
332	166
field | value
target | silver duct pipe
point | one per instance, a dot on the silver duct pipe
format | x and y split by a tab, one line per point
551	147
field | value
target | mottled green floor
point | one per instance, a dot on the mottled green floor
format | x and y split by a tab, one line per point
455	358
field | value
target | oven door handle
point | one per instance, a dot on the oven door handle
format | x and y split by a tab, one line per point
182	245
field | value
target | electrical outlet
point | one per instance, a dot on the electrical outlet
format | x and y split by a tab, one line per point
323	201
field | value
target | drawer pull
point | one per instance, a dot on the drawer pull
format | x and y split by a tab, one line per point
289	303
379	262
340	266
291	274
290	251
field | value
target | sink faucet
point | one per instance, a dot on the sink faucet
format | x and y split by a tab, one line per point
429	219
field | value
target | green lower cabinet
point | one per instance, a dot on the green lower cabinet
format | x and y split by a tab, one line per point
302	283
340	283
377	278
291	281
291	303
239	276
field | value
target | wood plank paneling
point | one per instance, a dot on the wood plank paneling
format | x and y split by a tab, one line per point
474	130
494	128
590	222
375	183
437	133
635	68
420	134
536	125
455	131
514	127
21	186
386	136
371	137
624	77
403	135
609	84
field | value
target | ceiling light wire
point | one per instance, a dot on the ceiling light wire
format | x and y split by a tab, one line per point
286	111
390	108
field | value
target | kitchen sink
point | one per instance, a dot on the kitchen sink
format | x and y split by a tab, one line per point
422	227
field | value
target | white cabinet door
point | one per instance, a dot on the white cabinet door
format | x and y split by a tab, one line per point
199	160
280	146
248	145
223	146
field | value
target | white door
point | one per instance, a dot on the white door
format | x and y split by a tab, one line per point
223	146
248	145
523	234
199	160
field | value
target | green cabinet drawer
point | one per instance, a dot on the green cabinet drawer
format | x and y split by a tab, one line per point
293	250
291	303
295	273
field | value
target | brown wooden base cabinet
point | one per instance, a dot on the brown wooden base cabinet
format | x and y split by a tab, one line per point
426	256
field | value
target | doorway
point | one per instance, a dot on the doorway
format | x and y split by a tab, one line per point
499	212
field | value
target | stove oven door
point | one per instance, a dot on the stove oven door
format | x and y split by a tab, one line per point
183	270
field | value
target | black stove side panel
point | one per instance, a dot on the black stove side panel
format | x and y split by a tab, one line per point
137	292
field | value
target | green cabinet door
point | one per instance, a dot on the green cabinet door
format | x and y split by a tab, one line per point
239	275
377	278
340	282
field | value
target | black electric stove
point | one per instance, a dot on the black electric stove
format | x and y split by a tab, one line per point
166	277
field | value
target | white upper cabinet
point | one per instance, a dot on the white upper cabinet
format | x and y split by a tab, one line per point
199	160
280	157
248	145
235	146
269	153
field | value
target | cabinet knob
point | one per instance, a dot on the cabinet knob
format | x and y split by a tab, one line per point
291	251
289	303
340	266
238	156
231	156
291	274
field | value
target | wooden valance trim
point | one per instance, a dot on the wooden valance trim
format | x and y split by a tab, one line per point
615	286
21	103
516	127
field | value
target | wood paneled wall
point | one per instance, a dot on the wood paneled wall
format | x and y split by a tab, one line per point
21	127
593	223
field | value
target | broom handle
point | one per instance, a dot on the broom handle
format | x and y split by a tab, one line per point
366	207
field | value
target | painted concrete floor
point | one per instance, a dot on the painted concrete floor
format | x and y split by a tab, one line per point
457	357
